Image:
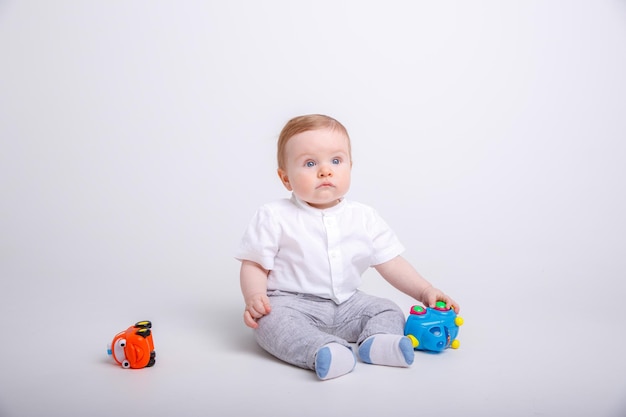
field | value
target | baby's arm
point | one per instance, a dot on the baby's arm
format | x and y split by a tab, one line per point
253	279
401	274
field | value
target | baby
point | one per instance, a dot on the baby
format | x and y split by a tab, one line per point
302	260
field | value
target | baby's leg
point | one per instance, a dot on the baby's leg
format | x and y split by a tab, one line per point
387	349
333	360
380	326
291	333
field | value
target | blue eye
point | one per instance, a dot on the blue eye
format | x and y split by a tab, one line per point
310	164
336	161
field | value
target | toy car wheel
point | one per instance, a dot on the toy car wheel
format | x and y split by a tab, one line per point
125	364
143	332
413	340
152	360
146	324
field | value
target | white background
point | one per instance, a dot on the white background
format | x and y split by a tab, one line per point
138	138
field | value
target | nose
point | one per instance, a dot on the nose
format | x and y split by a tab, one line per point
324	171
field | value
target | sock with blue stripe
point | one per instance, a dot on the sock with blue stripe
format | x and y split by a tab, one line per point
333	360
387	349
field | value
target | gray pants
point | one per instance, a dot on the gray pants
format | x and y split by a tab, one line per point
300	324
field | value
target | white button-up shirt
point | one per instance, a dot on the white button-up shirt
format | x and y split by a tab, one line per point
318	252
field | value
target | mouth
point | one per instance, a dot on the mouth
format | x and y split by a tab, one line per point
325	185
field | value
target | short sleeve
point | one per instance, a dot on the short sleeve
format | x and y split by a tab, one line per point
259	242
386	244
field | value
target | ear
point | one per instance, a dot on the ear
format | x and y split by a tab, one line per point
284	179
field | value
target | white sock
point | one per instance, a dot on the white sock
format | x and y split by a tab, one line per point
387	349
333	360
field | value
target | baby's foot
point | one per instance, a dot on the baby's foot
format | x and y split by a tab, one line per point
333	360
387	349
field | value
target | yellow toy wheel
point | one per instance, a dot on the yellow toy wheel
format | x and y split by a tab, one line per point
455	344
414	340
143	332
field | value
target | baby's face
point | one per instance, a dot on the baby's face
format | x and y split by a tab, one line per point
318	167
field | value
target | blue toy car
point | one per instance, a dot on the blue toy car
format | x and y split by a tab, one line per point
433	329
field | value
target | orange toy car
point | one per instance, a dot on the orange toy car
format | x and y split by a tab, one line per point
134	348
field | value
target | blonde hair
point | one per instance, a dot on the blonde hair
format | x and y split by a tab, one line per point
306	123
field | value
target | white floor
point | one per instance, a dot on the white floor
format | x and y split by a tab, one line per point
527	358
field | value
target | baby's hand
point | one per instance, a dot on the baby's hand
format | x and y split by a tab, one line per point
257	306
431	295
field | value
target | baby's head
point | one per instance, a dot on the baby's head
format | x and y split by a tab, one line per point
315	159
306	123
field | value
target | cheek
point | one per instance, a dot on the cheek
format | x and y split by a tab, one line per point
346	175
301	179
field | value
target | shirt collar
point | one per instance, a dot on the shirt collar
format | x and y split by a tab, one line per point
318	212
